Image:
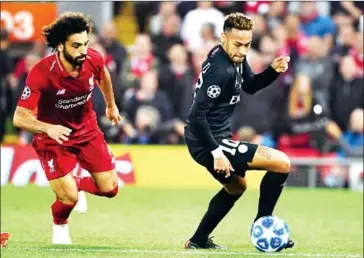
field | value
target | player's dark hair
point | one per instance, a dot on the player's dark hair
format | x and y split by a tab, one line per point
67	24
238	21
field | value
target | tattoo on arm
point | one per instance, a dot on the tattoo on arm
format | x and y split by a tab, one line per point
265	152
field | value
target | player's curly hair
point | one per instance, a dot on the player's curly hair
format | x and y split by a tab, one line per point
238	21
67	24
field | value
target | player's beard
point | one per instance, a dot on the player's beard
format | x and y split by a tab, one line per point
74	61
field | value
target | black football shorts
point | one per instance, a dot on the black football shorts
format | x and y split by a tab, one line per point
238	153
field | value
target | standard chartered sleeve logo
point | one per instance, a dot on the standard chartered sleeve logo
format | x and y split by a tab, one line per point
74	102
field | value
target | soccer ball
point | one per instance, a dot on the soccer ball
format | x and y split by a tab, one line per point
269	234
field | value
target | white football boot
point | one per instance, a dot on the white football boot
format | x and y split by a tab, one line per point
81	206
61	235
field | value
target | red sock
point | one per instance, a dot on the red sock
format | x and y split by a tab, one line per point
88	185
61	212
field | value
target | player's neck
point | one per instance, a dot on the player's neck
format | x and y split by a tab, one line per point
68	66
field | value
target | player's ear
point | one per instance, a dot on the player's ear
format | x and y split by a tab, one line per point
60	47
223	37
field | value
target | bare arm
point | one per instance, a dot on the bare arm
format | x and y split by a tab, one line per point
106	89
24	118
112	112
256	82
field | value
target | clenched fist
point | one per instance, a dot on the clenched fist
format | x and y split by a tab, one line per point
280	64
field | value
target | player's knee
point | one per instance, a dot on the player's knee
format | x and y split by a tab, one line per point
111	189
113	192
284	163
237	190
68	198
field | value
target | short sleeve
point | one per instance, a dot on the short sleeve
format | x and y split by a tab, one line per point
35	82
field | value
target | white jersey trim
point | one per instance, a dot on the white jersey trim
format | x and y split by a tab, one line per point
54	62
58	61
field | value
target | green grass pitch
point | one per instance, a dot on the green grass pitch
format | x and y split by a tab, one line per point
143	222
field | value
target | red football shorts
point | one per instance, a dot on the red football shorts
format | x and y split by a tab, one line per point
58	161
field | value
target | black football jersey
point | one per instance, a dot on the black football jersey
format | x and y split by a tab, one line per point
217	92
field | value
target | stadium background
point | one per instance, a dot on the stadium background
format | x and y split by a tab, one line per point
154	52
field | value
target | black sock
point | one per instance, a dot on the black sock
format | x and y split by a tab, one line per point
270	189
219	206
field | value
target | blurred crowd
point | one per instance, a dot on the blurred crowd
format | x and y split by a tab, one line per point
316	106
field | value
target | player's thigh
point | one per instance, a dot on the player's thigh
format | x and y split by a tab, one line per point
65	188
266	158
57	161
205	159
96	157
240	154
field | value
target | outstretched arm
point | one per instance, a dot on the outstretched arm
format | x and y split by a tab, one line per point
255	82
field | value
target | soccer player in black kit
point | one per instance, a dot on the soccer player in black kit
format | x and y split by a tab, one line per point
208	136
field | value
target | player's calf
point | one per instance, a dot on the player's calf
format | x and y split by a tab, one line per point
278	165
219	206
62	207
103	187
61	213
69	198
66	191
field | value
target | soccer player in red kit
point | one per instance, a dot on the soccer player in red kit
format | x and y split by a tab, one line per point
56	106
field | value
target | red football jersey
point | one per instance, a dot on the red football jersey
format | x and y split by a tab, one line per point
61	99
